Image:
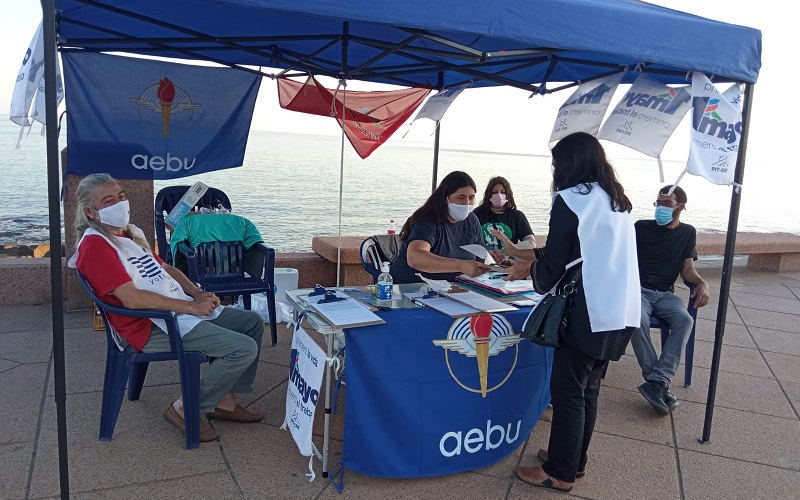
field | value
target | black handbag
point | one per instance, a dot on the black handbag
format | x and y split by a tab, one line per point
548	317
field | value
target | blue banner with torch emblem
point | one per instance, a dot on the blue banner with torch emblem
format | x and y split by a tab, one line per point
147	119
429	395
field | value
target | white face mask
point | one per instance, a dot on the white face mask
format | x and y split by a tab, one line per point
117	215
458	212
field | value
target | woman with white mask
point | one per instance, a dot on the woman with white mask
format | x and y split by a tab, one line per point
432	237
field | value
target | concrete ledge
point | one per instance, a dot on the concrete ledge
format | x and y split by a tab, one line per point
775	252
26	281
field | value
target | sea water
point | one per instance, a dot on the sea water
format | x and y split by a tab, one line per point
289	186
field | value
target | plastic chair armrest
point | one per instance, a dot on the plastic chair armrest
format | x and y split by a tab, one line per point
191	260
269	260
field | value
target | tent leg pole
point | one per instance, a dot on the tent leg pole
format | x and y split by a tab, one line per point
53	178
727	266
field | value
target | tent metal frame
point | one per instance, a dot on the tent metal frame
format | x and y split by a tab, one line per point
496	67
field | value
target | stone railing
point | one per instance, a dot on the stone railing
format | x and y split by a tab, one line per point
26	281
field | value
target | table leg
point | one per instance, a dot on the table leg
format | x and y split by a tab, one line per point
327	428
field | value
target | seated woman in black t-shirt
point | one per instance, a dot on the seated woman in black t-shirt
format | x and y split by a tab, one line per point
432	237
503	227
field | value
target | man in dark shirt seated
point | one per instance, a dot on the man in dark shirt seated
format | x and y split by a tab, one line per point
666	248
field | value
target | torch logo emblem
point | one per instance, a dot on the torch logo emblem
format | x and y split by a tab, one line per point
168	100
480	337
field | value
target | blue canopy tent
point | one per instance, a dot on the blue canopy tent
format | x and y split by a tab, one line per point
538	45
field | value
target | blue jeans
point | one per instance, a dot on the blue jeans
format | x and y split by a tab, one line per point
671	309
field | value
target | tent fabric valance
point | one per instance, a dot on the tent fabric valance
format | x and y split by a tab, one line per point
528	44
370	117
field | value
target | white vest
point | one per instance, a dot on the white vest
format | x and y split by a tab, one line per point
610	264
147	274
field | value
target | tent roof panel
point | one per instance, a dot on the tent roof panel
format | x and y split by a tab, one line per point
410	42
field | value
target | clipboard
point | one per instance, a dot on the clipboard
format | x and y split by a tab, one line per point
479	302
448	306
345	312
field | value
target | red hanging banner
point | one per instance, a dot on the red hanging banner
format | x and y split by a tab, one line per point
370	118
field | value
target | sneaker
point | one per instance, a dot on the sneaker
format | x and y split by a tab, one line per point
671	401
654	393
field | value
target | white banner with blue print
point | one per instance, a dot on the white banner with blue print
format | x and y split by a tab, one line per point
585	108
146	119
306	366
647	115
716	131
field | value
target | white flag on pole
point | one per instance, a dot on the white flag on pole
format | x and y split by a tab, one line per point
645	118
30	84
585	108
437	104
716	130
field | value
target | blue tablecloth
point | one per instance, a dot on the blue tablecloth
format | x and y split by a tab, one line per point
414	408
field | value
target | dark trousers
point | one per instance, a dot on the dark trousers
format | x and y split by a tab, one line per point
574	388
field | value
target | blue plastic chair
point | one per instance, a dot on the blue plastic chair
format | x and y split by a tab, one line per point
218	267
167	198
128	369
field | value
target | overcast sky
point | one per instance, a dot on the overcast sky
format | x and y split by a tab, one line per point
504	119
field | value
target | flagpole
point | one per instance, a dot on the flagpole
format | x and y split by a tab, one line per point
439	86
435	157
727	264
53	178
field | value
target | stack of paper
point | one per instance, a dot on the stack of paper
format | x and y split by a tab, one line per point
495	282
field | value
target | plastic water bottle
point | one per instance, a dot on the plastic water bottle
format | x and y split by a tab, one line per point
385	284
392	229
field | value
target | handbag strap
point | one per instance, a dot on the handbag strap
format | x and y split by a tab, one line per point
569	288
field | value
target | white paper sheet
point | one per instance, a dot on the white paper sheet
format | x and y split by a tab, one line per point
436	285
480	252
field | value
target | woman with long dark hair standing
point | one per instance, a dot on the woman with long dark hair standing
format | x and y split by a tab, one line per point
590	219
432	237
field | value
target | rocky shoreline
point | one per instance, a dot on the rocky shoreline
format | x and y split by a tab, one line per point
28	251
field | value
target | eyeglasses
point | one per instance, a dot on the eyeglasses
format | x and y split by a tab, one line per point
668	204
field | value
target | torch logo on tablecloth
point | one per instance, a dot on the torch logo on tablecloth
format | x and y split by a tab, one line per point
168	100
480	337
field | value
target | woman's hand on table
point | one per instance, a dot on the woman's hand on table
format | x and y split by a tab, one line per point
473	268
519	270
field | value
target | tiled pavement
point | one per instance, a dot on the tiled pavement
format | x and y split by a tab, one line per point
754	450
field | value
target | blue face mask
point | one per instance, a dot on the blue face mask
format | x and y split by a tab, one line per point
663	215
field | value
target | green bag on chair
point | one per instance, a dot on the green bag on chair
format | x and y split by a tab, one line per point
548	317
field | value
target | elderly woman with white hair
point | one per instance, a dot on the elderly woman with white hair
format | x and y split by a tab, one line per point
118	263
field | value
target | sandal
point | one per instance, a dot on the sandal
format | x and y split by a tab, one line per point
526	475
542	455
